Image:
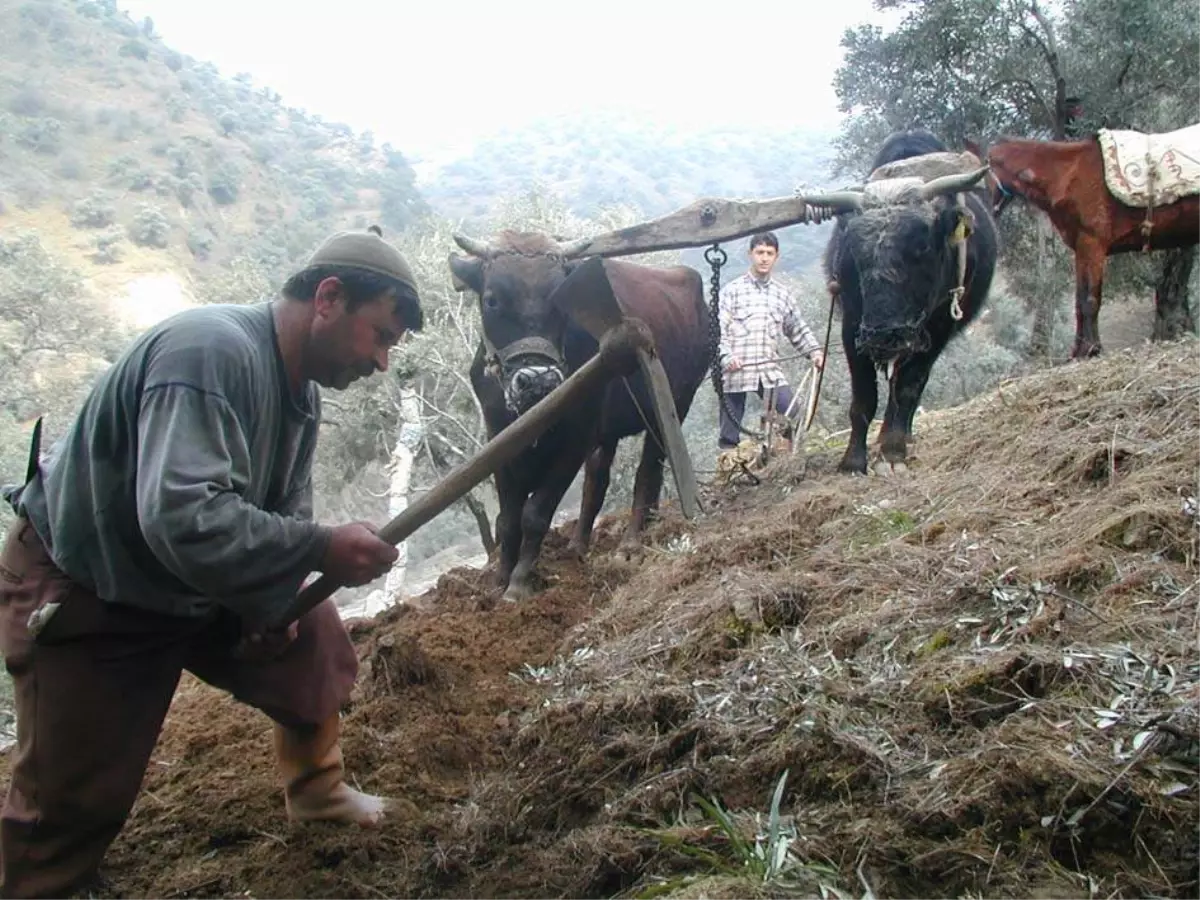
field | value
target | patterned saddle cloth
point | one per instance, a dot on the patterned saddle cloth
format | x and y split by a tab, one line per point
1151	169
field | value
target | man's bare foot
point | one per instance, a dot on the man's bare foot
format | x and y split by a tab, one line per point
342	804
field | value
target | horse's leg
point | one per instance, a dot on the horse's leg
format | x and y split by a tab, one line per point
1090	258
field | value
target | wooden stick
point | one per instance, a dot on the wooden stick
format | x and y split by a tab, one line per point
672	432
618	356
706	221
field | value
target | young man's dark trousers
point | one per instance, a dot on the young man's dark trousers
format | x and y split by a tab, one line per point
730	436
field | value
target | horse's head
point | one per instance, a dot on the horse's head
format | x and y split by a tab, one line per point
999	194
1017	170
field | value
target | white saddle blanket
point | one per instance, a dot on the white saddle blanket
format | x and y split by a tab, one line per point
1151	169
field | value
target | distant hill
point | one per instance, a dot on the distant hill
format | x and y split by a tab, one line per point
593	160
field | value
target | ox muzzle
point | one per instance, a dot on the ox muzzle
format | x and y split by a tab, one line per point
886	343
529	369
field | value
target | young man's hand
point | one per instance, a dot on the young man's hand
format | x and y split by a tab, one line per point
733	364
818	359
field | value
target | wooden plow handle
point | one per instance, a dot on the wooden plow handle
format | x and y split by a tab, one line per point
619	354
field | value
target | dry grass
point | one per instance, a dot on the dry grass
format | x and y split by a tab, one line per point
981	680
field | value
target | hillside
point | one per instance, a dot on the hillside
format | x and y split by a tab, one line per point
135	181
597	159
128	157
979	681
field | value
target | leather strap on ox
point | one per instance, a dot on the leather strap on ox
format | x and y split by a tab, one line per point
526	346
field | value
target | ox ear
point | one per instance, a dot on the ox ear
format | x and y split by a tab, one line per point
466	272
955	223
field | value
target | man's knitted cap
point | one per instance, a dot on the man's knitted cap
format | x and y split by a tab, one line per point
365	250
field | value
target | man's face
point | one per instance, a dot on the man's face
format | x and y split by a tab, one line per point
346	346
762	259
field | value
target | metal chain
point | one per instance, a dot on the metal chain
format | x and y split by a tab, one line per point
716	257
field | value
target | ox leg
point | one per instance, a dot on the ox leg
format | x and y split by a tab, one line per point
647	487
1089	280
508	525
595	487
903	398
536	517
864	400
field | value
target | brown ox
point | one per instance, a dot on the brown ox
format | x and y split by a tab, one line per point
1065	179
529	347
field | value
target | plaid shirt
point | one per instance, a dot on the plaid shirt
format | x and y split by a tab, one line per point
753	314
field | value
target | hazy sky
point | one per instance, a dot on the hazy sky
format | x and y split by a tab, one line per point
431	75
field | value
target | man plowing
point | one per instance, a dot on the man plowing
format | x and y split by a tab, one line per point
171	528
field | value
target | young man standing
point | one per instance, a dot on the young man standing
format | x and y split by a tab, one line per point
755	311
170	529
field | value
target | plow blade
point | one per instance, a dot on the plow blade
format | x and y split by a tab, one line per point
587	296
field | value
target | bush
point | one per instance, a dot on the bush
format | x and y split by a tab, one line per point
173	61
176	108
134	49
200	241
224	182
107	246
150	227
93	212
28	101
186	189
71	167
42	135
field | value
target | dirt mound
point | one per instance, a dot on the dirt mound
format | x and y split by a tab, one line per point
979	680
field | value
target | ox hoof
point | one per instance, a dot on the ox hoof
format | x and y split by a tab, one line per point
519	590
889	469
577	551
853	462
630	550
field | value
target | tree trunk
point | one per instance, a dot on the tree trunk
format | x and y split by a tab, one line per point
1042	329
1173	316
400	468
474	504
481	522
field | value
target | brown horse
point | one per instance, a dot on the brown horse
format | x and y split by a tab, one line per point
1065	179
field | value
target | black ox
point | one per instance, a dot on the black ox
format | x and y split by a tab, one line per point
529	347
894	260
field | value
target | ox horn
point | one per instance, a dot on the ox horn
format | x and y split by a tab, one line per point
482	249
952	184
838	201
571	249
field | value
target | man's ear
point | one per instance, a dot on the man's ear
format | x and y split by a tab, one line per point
329	293
466	272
